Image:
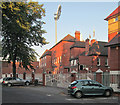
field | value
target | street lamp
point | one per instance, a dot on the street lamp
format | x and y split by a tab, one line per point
56	17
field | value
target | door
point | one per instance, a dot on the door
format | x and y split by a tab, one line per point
87	89
19	81
97	88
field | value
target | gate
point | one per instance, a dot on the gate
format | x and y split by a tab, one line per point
106	78
58	80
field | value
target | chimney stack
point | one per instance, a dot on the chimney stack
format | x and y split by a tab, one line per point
86	47
77	35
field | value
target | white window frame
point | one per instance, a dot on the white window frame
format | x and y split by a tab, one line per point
75	62
71	62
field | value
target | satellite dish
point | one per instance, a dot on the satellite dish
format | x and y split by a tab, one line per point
57	15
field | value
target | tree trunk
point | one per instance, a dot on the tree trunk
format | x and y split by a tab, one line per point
14	67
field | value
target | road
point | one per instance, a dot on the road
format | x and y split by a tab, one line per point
40	94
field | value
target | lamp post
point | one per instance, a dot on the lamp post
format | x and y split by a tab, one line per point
56	17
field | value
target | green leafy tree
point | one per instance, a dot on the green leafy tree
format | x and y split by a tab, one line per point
21	29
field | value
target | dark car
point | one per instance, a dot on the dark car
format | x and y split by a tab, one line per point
9	81
79	88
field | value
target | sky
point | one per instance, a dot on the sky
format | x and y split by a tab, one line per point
76	16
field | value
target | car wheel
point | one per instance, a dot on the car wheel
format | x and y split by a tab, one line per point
27	83
9	85
78	94
107	93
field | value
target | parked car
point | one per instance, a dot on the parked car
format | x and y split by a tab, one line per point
9	81
80	88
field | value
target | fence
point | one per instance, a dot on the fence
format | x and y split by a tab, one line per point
104	77
63	80
27	76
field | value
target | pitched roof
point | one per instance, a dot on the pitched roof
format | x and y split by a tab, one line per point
115	41
66	38
98	48
47	52
116	11
78	44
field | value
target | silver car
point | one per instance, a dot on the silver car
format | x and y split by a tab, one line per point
10	81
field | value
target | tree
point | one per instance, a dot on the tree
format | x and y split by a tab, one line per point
21	29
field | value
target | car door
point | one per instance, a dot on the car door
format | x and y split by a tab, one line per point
97	88
19	81
86	88
13	81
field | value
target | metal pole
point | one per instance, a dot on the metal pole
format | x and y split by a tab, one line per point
56	31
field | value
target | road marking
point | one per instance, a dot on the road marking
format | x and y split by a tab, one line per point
69	99
49	95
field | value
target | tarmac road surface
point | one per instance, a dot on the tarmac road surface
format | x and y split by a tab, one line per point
41	94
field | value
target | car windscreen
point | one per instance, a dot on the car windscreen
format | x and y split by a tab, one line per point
74	83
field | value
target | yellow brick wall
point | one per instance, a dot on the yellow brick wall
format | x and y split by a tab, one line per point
113	26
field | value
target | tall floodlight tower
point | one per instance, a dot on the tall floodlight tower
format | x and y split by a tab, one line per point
56	17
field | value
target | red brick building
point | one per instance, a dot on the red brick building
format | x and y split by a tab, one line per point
90	57
71	54
56	59
114	47
114	41
7	68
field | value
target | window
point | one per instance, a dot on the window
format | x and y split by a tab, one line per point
116	19
106	62
68	70
45	57
74	83
98	61
75	62
45	64
81	67
71	62
60	58
85	83
55	60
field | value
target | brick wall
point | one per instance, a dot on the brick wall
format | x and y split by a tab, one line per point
76	51
87	60
7	68
114	58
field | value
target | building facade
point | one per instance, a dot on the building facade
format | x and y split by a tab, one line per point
71	54
114	46
114	40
